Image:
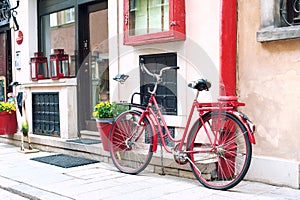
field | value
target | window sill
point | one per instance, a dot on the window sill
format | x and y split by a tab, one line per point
281	33
167	36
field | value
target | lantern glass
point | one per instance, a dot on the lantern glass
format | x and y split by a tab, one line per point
53	69
33	72
64	67
42	70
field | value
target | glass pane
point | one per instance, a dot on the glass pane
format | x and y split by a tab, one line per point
99	62
42	70
33	70
148	16
58	32
53	68
64	67
3	50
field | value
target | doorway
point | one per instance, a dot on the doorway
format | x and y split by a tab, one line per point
94	70
5	63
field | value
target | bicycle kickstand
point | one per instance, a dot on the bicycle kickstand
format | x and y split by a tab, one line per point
163	172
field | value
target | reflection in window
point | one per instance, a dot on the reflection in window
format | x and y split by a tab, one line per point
148	16
58	32
62	18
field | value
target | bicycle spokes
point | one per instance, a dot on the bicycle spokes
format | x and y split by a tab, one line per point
131	142
223	163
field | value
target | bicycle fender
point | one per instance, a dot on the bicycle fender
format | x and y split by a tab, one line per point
155	137
250	127
155	134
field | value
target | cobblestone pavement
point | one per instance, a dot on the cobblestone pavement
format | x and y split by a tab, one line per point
101	181
6	195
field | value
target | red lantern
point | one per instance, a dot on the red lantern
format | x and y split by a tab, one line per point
59	63
39	66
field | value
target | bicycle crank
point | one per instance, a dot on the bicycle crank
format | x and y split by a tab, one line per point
179	156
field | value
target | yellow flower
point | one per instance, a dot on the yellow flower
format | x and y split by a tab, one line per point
7	107
107	110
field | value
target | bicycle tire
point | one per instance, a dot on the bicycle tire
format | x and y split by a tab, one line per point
225	165
130	144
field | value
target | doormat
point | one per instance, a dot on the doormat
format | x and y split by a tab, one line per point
64	161
85	141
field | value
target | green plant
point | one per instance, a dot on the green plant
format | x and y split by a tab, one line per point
7	107
117	109
108	110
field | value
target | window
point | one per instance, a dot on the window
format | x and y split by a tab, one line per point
166	94
45	113
278	20
148	17
58	32
290	12
62	18
148	21
5	12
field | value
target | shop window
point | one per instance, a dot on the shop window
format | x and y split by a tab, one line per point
58	32
149	21
166	94
280	20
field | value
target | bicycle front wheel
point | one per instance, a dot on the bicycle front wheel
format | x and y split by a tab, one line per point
131	142
219	150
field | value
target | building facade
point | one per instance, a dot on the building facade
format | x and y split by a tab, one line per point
104	38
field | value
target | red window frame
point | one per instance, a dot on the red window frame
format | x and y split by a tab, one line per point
176	26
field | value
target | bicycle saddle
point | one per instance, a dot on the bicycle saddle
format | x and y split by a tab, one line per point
200	84
14	83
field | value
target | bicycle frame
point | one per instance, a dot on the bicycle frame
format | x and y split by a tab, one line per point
158	120
217	146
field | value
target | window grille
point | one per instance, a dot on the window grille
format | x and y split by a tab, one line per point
166	94
290	12
45	114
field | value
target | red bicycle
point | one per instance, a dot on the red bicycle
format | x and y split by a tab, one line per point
218	146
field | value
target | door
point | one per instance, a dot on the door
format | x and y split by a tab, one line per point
94	70
5	64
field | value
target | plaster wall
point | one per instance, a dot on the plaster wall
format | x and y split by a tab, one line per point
269	77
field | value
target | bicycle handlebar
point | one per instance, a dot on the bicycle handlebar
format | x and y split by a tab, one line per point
157	76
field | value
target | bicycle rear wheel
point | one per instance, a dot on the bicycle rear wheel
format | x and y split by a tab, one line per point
224	165
131	142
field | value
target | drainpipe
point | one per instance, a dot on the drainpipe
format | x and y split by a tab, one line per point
228	41
228	51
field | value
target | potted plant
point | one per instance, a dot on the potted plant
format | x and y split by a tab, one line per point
104	113
8	118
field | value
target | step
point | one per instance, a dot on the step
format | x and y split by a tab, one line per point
90	134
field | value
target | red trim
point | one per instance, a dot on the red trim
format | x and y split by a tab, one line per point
176	27
228	40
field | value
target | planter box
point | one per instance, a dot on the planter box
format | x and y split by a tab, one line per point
8	123
104	126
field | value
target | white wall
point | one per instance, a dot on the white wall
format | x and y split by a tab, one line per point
27	19
197	56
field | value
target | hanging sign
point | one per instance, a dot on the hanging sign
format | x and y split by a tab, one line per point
19	39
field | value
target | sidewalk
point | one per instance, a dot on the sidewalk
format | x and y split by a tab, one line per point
35	180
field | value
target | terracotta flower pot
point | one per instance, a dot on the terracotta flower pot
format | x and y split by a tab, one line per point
8	123
104	126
